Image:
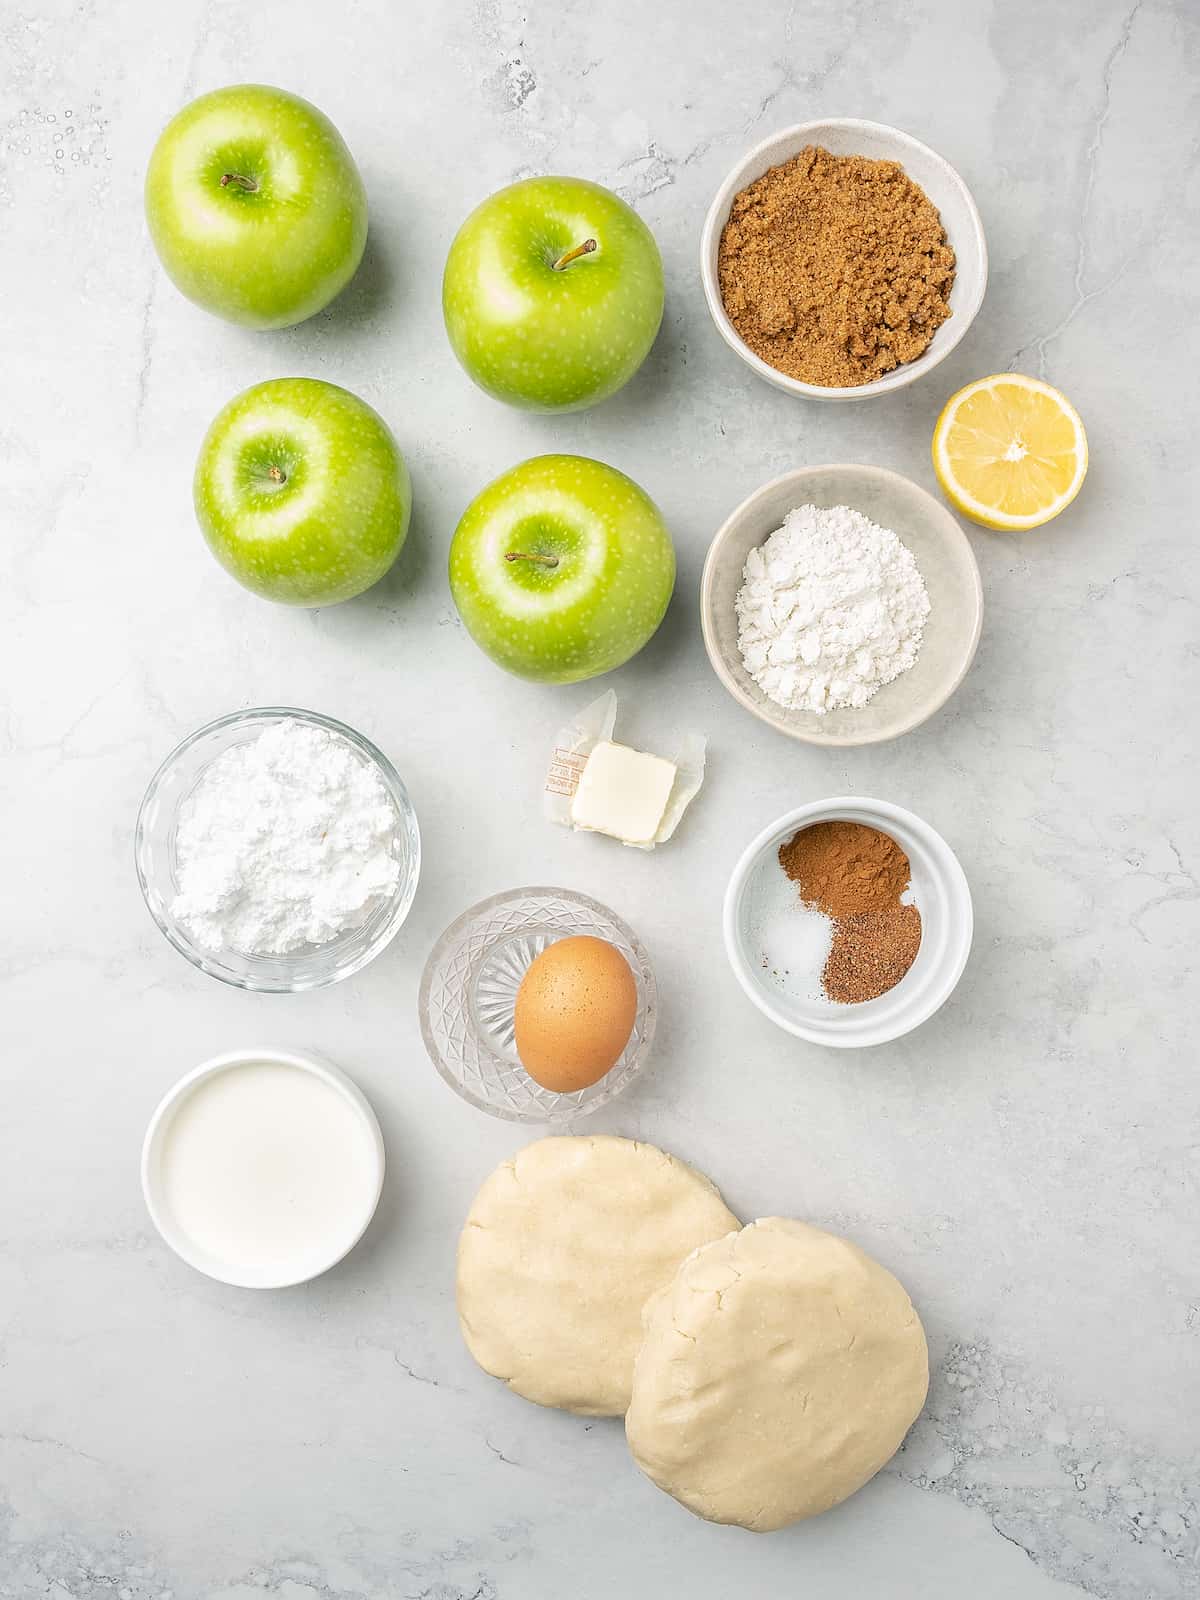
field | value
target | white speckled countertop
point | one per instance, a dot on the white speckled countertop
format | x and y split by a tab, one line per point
1027	1162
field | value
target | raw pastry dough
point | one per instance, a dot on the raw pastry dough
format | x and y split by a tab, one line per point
781	1368
560	1251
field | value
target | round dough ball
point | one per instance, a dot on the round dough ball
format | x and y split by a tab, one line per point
781	1368
561	1249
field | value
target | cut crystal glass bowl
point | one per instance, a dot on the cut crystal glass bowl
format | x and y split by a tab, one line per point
469	990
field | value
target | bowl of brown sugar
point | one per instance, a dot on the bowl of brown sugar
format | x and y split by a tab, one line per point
843	259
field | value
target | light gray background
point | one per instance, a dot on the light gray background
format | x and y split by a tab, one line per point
1027	1162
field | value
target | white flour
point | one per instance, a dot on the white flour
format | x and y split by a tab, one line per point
287	840
831	608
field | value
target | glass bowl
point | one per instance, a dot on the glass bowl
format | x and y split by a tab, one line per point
469	990
314	966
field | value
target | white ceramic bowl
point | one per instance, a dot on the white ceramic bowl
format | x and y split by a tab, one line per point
244	1274
942	897
850	136
943	554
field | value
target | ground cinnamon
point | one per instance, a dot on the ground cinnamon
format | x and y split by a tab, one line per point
835	269
856	875
845	867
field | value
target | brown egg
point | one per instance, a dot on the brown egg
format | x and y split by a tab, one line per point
575	1011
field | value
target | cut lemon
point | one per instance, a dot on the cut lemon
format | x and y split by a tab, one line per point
1009	451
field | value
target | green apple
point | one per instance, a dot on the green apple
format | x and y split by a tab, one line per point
561	569
301	492
255	206
552	294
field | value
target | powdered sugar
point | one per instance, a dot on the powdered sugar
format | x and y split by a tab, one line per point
831	608
288	839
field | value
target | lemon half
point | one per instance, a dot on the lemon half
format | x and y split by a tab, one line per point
1010	451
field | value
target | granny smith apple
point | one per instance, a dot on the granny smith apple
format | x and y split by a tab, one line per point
301	492
255	206
561	569
553	293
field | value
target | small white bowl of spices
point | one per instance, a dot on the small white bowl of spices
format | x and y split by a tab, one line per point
848	921
843	259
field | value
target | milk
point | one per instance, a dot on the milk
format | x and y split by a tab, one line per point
267	1167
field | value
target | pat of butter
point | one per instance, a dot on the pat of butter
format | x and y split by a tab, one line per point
623	793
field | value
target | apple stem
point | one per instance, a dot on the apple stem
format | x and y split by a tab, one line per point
542	561
584	249
243	183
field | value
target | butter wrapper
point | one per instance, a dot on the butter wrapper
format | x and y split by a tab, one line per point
591	726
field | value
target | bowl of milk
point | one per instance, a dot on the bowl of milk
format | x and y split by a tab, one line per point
262	1168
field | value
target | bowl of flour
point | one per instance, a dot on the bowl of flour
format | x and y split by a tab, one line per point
842	605
277	850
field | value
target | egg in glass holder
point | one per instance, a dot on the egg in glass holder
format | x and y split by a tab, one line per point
469	992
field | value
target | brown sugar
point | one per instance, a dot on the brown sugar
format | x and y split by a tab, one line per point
835	269
856	875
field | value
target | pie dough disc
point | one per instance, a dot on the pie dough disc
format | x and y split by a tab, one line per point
781	1368
562	1247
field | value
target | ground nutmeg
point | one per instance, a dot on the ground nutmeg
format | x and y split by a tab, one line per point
856	875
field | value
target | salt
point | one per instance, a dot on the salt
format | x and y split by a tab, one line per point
792	940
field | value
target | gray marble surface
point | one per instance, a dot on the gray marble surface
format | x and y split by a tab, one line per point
1027	1162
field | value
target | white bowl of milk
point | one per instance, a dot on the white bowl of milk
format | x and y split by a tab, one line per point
262	1168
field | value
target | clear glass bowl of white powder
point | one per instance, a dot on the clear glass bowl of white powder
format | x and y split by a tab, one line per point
277	850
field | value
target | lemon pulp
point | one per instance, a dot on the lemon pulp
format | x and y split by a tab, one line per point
1009	451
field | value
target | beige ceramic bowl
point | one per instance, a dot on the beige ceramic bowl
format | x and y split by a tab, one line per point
947	565
851	136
